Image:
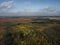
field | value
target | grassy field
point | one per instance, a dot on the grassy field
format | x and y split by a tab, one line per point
29	31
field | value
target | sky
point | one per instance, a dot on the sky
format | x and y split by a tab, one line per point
29	7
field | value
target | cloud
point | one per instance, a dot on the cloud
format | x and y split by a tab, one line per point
50	11
4	6
27	6
47	11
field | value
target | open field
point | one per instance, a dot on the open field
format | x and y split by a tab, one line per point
30	31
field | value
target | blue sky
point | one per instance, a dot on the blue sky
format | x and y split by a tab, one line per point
29	7
36	4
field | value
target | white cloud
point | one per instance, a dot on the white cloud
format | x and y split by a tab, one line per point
27	6
47	11
4	6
